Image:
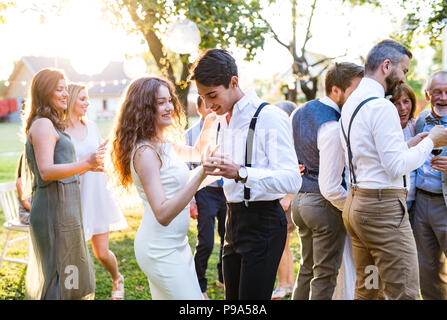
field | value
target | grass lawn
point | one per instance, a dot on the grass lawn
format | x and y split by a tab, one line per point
12	276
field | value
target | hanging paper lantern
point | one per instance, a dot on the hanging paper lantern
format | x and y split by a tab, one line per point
135	67
88	64
182	37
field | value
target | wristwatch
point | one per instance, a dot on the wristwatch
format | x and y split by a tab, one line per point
242	174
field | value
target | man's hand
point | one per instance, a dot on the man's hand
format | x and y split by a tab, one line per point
439	136
221	165
286	201
439	163
302	167
416	139
193	213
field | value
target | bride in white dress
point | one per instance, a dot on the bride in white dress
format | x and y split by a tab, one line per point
141	154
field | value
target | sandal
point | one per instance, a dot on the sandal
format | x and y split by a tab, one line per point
118	294
280	292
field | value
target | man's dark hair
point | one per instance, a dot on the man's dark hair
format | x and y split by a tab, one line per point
199	101
213	68
386	49
341	75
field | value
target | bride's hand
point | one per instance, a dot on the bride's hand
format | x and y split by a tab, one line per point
207	155
209	120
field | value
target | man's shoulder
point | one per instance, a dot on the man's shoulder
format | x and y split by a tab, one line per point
273	112
420	121
423	115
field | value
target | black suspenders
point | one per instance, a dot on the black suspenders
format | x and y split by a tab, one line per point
248	145
348	141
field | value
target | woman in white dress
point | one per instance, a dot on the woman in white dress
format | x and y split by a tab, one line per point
100	213
141	154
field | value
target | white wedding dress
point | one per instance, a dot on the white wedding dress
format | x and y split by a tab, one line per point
163	253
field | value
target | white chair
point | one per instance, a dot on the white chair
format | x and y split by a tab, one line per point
10	207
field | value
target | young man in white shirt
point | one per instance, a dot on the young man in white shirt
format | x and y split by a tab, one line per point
380	162
318	146
255	176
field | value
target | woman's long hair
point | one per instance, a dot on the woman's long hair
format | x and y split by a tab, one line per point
136	121
73	92
38	104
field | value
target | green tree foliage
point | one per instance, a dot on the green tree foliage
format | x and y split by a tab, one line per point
221	23
425	16
414	81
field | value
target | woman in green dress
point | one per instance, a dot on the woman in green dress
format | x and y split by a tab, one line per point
60	266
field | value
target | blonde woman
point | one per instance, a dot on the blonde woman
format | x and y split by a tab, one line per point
100	212
142	155
60	266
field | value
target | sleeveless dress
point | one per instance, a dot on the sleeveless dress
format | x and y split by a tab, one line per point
100	212
163	253
60	267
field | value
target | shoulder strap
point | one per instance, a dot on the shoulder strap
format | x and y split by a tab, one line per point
249	146
149	145
348	142
217	133
348	139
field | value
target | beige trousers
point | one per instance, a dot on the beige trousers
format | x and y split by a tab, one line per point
383	244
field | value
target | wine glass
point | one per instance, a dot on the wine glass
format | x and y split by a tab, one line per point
436	152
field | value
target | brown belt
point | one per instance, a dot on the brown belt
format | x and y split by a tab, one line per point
379	193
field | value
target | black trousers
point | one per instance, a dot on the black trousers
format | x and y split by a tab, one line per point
211	206
254	242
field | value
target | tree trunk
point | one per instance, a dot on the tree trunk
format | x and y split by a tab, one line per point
182	94
310	93
183	86
164	65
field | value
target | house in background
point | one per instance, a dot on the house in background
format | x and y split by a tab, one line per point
105	89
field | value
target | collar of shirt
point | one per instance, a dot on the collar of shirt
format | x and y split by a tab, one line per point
369	85
431	120
329	102
250	98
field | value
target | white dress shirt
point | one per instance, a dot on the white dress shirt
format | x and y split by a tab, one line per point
332	159
381	156
274	170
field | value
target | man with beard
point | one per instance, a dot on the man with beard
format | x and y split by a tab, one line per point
375	213
430	221
318	146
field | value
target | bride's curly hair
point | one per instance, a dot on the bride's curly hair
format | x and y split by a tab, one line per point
136	121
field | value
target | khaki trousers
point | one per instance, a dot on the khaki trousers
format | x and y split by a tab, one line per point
322	236
383	244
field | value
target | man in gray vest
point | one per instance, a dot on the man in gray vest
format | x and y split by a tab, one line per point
431	194
318	146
